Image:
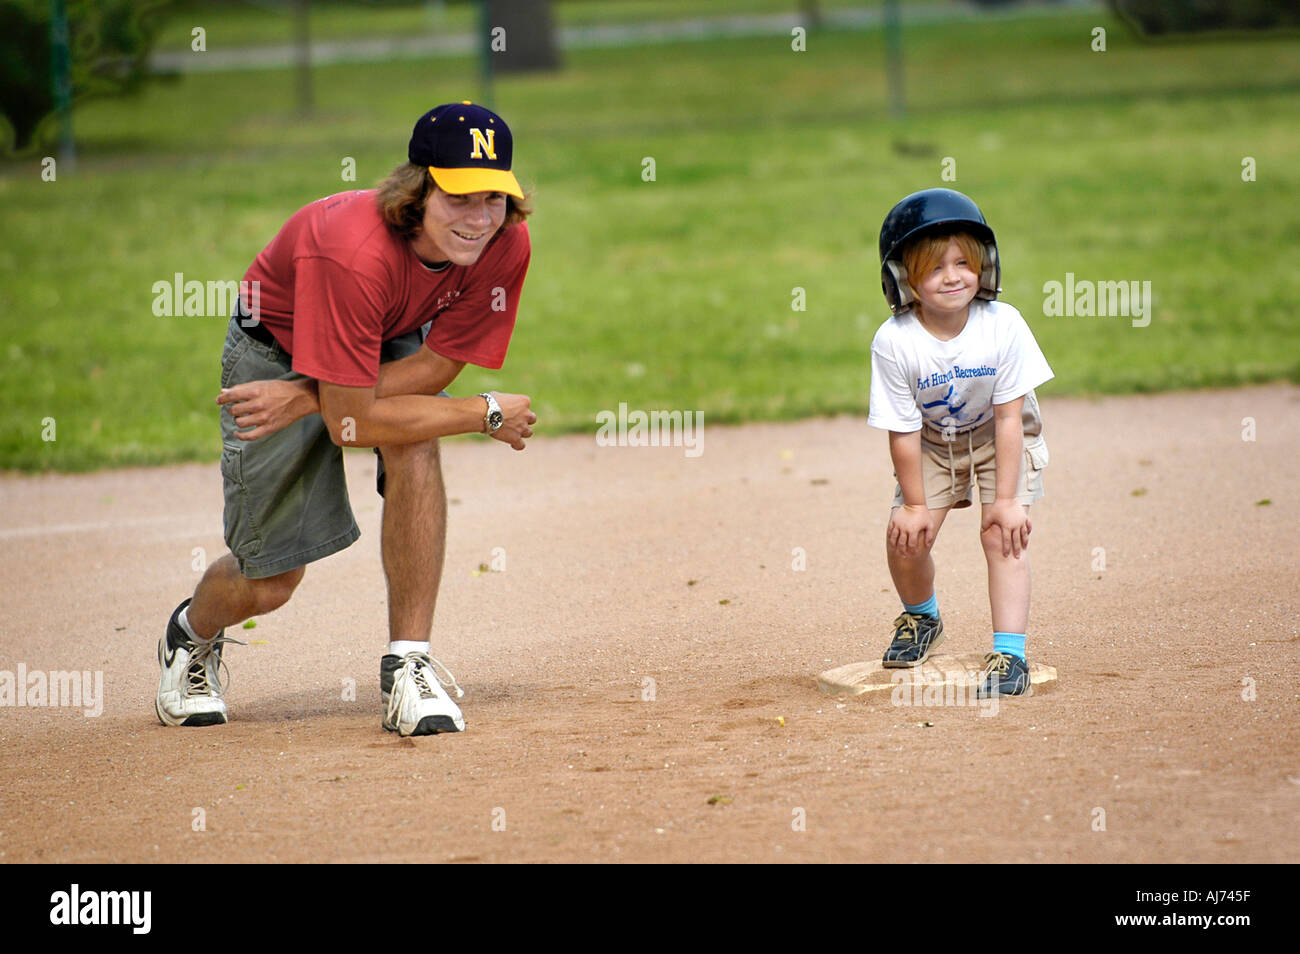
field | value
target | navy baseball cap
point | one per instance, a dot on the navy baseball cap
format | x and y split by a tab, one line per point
466	148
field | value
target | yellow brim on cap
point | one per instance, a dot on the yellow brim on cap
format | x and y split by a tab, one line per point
462	181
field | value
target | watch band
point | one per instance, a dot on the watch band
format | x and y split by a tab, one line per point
493	419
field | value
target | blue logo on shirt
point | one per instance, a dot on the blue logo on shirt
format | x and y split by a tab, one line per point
947	401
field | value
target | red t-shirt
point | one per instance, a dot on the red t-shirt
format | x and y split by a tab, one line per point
337	282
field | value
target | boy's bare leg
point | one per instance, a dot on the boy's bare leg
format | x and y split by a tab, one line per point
1008	582
913	571
414	537
225	597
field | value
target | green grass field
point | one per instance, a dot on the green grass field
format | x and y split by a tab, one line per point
773	172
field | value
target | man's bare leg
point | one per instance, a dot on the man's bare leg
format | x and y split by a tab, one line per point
414	537
189	685
413	545
225	597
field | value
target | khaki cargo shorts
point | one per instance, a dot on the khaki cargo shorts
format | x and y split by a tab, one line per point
953	469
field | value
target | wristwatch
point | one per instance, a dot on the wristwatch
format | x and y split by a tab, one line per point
493	419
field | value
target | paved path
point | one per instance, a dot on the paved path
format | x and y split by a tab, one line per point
383	49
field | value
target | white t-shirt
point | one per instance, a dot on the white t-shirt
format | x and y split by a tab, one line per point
954	384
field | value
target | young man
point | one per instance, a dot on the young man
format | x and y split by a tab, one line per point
363	309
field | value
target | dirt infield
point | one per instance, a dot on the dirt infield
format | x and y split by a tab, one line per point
641	679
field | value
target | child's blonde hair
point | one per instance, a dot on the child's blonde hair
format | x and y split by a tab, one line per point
924	253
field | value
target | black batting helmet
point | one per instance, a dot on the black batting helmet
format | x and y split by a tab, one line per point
933	210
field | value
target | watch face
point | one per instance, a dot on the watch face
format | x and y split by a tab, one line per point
495	419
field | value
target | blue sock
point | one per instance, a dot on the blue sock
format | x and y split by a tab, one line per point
1013	644
929	608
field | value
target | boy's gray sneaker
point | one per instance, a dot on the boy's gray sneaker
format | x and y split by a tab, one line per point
1004	675
915	636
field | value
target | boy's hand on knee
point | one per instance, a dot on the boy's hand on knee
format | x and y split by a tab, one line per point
911	529
1012	519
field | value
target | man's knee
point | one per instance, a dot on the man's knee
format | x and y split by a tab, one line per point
272	592
421	460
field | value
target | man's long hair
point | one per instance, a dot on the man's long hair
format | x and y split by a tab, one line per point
403	194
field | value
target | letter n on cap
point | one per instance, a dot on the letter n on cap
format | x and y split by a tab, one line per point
484	144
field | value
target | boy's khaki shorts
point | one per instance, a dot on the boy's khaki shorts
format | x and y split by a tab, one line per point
947	466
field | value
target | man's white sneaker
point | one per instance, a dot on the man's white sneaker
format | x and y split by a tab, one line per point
414	701
189	689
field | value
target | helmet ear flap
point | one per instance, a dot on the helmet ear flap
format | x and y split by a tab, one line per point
904	295
991	273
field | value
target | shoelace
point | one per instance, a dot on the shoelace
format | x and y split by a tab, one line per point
421	673
420	665
997	662
196	670
906	622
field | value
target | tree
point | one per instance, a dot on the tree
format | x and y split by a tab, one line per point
1156	17
108	42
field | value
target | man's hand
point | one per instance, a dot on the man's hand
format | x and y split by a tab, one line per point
911	529
1013	520
517	419
270	405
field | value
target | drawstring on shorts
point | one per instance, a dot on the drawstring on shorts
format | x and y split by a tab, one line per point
970	457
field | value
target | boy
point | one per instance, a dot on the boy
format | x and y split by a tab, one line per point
953	374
